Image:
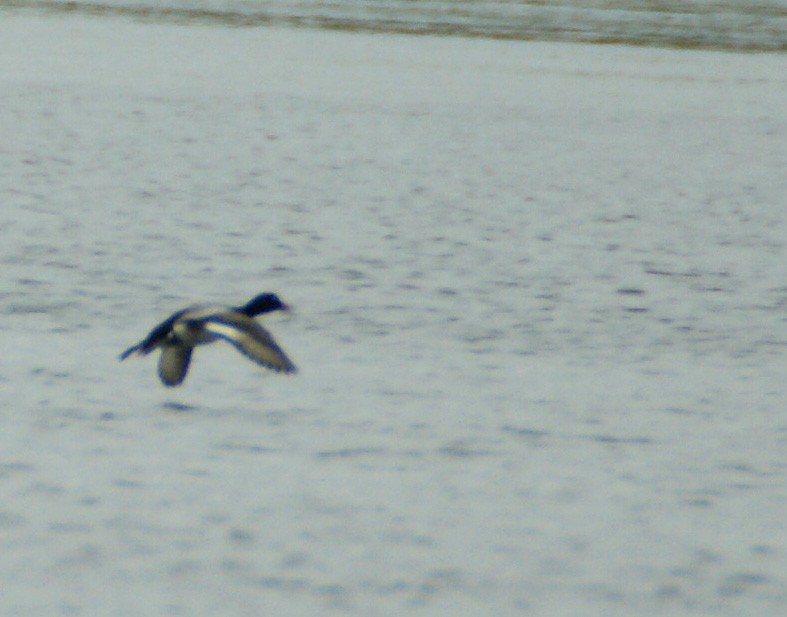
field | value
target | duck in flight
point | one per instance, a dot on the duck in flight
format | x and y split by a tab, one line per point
177	336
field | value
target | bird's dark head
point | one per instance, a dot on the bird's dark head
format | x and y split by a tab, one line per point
263	303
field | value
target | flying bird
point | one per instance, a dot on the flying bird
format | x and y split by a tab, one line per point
177	336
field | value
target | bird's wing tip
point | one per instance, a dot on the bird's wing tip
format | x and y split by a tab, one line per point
128	352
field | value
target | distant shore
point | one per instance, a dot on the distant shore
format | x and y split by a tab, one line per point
730	26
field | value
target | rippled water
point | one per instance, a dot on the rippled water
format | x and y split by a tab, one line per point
539	318
722	24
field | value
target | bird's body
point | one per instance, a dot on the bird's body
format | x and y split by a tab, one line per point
177	336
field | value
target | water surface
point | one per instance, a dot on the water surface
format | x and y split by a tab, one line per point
539	296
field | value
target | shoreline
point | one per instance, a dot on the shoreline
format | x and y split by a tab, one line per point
413	23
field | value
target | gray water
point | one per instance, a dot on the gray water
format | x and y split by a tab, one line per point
732	25
539	315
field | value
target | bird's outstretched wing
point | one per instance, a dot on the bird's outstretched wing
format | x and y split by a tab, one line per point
156	336
174	363
251	339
